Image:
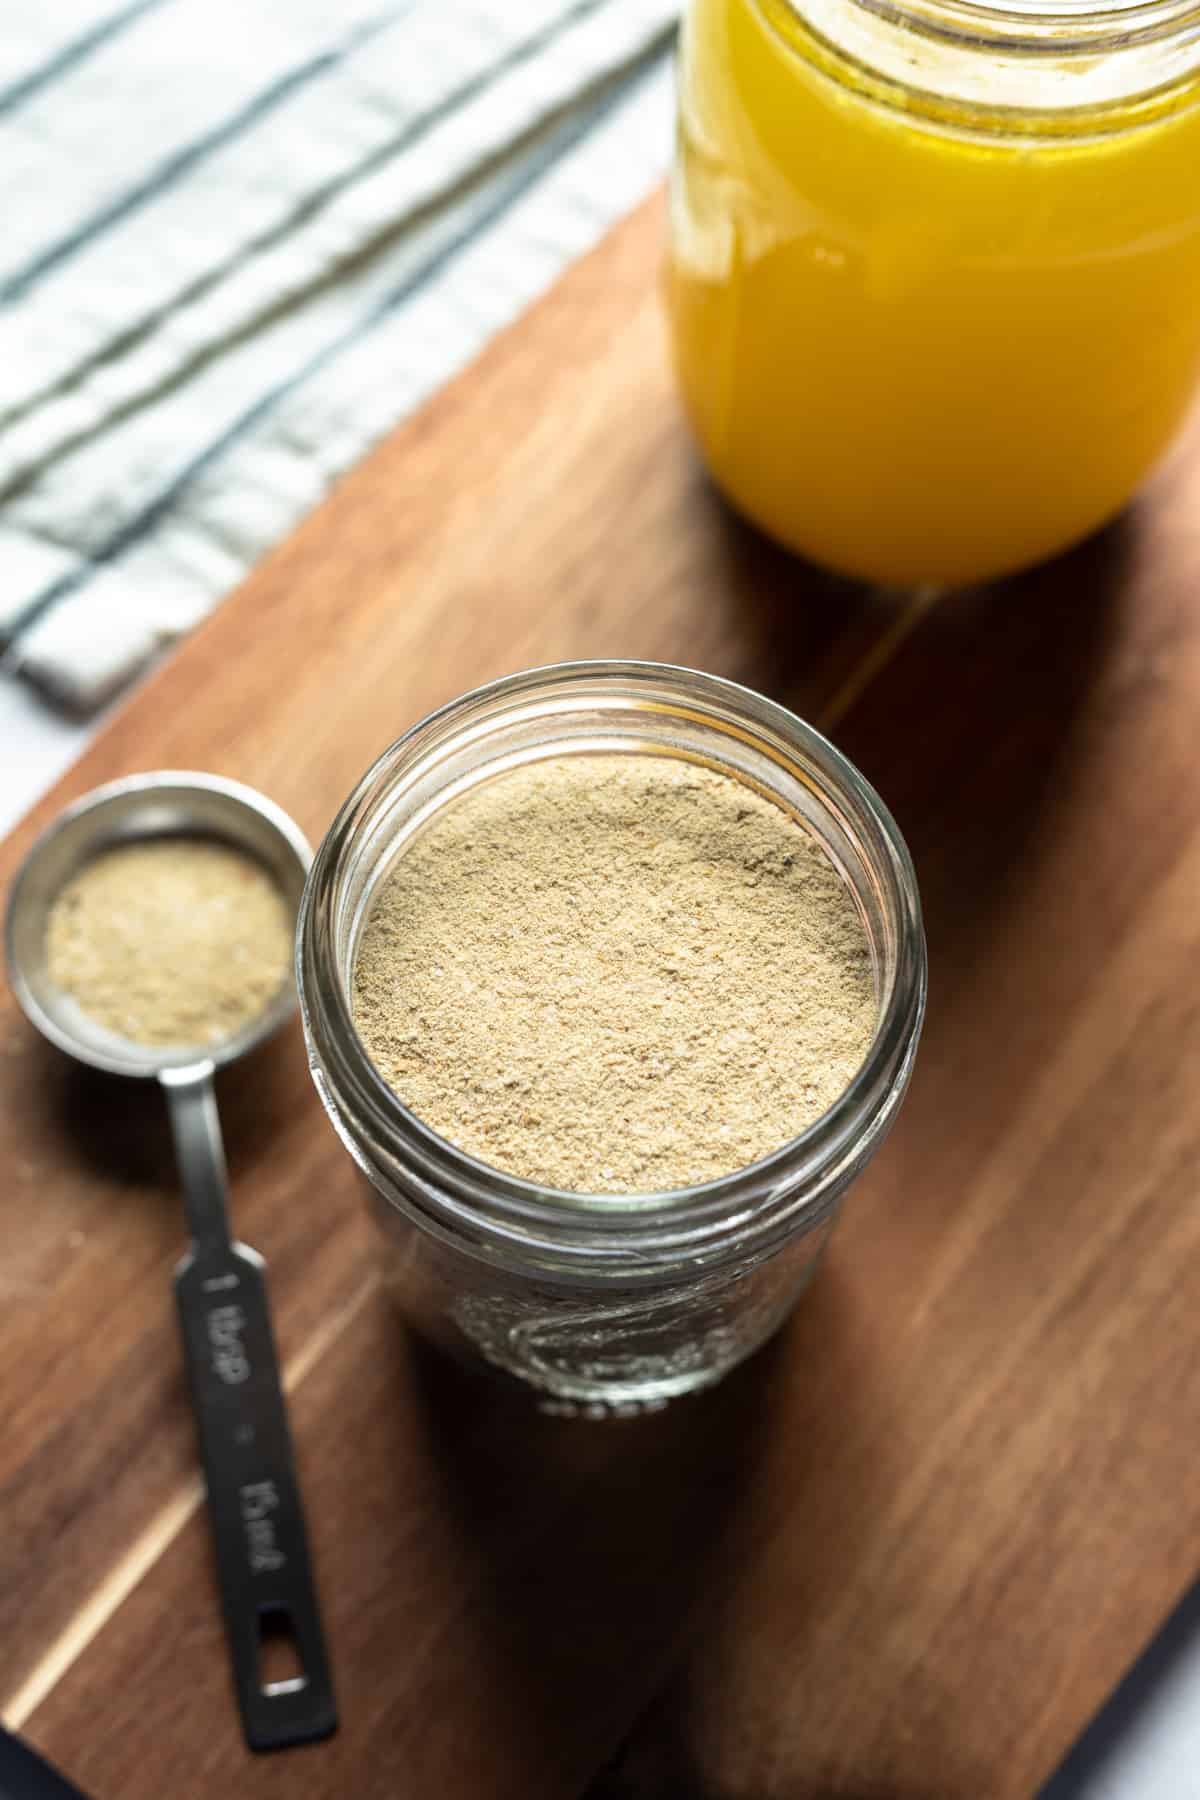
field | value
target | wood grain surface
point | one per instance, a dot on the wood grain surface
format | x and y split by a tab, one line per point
906	1551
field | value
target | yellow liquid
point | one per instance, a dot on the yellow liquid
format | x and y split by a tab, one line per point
913	351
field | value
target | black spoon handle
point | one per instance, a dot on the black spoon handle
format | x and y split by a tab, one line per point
255	1511
25	1776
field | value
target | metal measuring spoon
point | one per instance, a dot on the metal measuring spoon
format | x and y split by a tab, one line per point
254	1502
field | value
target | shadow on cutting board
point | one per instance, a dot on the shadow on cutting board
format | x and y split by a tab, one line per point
999	673
978	733
600	1546
799	630
117	1129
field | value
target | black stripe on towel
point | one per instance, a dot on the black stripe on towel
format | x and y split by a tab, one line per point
14	287
17	92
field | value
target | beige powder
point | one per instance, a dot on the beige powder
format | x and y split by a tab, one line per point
170	941
615	972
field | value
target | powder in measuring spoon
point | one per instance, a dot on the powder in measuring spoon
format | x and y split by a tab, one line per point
170	941
613	973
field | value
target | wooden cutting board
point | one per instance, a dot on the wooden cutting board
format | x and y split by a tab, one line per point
908	1550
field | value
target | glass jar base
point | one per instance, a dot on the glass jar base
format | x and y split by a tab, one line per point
595	1356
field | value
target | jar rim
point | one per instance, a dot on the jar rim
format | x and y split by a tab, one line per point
1043	27
461	1184
1101	66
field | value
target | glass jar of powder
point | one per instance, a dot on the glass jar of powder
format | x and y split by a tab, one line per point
604	1301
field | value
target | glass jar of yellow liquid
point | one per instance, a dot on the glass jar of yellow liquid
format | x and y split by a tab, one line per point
935	269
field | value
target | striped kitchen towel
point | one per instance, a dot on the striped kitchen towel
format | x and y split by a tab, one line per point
243	239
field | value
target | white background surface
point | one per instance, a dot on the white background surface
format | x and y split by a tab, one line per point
36	745
308	278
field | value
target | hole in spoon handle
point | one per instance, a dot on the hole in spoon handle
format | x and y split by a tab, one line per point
261	1546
